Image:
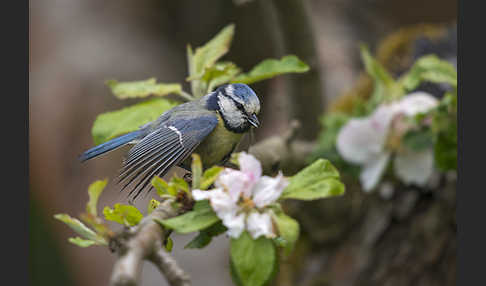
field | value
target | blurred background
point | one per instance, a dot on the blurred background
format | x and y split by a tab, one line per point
76	45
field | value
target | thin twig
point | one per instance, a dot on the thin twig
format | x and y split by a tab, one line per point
185	95
144	241
168	265
285	152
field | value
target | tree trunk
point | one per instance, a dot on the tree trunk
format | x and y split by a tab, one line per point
364	239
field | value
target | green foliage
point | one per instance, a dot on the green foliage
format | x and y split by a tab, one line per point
98	236
170	189
115	123
419	140
196	167
179	184
94	192
375	69
81	242
270	68
152	205
142	88
431	69
199	218
317	181
288	230
385	87
440	135
205	73
81	229
209	176
220	73
169	244
445	125
123	214
205	236
253	261
206	56
162	187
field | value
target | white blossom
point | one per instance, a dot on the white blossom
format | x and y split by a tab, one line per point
241	198
363	141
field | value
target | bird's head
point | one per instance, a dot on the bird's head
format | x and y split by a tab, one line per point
238	105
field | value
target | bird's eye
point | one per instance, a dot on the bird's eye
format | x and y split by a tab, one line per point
239	106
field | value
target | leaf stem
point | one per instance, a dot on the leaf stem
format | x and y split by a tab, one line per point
186	95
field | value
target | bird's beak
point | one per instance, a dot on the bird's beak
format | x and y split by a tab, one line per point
254	120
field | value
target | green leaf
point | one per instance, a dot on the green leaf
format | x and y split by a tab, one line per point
272	67
445	152
152	205
374	68
385	86
169	244
288	229
317	181
444	123
220	73
199	218
419	140
115	123
142	88
123	214
205	236
82	242
207	55
429	68
80	228
253	261
179	184
209	176
94	191
162	187
196	168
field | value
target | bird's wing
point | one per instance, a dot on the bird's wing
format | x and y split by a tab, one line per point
163	148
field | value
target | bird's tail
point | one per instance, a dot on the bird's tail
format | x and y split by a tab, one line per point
109	145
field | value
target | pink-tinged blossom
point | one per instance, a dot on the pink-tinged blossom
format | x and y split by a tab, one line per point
363	141
241	198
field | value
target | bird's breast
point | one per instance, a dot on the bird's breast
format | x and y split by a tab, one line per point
218	145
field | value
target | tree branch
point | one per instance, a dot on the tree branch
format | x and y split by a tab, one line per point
167	265
284	152
144	241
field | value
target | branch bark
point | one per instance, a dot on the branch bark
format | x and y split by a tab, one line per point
284	152
145	242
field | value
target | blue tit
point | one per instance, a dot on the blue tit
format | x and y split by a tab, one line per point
211	126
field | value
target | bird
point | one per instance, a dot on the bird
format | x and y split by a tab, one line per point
211	126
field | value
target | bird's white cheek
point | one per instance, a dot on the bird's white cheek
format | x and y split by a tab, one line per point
230	112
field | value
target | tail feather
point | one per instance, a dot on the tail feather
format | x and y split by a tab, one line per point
109	145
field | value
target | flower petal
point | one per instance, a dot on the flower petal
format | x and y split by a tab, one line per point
199	195
220	201
373	171
414	167
362	139
260	224
234	182
235	224
250	165
417	102
267	190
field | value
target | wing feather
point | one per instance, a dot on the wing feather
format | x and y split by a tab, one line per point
167	146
